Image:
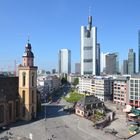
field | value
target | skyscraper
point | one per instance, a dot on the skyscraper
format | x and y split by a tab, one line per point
117	63
111	63
98	59
131	62
88	49
139	51
125	66
64	61
103	62
77	68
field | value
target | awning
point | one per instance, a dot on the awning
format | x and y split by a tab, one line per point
131	115
133	128
132	123
126	110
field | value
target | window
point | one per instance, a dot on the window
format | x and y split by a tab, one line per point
87	60
78	111
10	111
23	96
32	79
23	78
23	111
32	96
1	113
88	48
17	109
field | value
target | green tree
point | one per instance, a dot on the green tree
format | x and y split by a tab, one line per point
63	80
76	81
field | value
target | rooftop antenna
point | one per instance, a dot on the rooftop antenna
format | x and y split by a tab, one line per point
90	19
28	39
89	10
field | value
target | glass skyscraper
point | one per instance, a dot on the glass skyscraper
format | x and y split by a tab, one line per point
64	61
88	49
131	62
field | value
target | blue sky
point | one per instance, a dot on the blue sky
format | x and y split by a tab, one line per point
55	24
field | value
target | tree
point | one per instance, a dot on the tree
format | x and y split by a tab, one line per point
63	81
76	81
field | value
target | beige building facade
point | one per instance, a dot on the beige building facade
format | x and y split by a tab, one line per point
28	85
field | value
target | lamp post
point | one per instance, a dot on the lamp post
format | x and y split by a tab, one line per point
45	111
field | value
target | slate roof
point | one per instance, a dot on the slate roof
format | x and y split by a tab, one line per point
88	100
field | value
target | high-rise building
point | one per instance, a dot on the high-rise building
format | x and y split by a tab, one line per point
88	49
117	63
131	62
98	59
139	51
64	61
111	63
53	71
28	85
134	92
77	68
125	66
103	62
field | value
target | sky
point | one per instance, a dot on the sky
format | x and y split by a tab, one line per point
55	24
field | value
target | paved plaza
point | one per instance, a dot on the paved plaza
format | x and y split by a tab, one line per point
60	125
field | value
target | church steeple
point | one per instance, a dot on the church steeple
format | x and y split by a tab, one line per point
27	84
28	56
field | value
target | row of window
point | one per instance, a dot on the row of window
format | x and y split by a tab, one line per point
24	79
23	96
10	111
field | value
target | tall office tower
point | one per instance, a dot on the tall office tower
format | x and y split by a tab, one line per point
53	71
111	63
98	59
117	63
88	49
64	61
139	51
131	62
103	62
77	68
125	66
28	85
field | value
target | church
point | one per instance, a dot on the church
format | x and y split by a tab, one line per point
18	95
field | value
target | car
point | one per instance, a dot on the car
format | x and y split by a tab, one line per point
3	128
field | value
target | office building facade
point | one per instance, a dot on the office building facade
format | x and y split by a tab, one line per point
120	92
134	91
98	59
131	62
103	62
64	61
125	66
111	63
77	68
88	49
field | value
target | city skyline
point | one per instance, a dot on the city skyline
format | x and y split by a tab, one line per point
54	25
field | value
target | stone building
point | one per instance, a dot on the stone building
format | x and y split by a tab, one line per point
27	85
9	100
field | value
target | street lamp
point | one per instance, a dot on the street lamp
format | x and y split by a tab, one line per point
45	111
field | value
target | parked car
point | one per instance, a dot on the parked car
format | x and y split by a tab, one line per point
3	128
